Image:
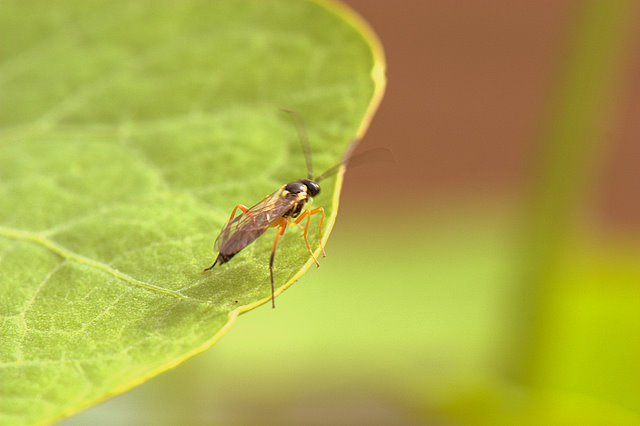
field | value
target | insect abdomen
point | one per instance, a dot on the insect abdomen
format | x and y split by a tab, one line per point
224	258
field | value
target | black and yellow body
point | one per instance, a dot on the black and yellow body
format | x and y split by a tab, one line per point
284	207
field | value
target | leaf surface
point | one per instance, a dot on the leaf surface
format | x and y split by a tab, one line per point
129	131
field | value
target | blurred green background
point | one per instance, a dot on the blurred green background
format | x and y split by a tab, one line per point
492	275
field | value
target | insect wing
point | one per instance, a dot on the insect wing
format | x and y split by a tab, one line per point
242	230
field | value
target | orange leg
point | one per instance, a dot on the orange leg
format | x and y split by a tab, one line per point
282	223
239	206
308	214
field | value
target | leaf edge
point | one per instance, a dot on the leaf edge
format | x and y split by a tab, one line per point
378	76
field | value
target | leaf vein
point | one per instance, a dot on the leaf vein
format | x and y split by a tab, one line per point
68	254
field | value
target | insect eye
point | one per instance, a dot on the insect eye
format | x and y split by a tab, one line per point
295	187
312	188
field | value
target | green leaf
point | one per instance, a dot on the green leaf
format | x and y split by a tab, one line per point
129	131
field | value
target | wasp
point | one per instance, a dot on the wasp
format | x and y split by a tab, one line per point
284	207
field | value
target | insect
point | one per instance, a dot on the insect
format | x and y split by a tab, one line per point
284	207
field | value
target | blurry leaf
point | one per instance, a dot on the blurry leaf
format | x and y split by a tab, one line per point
580	113
576	332
129	130
593	344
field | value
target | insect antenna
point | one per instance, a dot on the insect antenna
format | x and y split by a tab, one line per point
375	154
304	139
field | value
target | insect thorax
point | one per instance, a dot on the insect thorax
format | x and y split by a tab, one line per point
296	209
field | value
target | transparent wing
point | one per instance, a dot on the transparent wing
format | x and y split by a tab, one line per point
242	230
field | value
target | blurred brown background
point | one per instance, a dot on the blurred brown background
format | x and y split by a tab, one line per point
469	84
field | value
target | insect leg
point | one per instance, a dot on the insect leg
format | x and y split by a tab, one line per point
308	214
314	211
239	206
306	228
279	232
